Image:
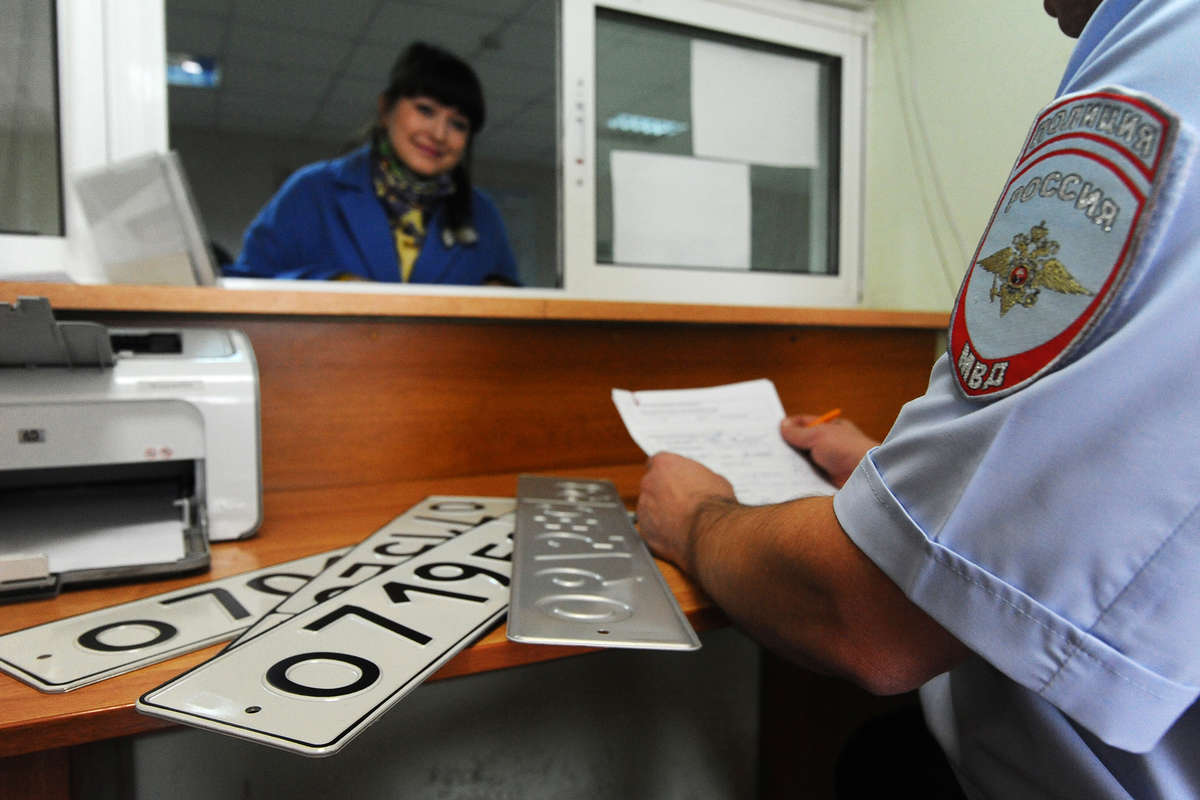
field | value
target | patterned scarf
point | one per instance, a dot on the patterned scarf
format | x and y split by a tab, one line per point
407	198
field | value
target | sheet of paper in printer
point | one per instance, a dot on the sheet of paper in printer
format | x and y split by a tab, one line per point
732	429
95	529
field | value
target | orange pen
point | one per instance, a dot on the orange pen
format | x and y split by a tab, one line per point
828	415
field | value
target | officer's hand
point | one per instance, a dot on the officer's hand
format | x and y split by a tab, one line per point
835	446
673	489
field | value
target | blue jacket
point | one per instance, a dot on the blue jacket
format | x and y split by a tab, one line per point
325	222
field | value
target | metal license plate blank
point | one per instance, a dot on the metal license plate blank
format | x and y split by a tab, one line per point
68	653
313	682
431	522
582	574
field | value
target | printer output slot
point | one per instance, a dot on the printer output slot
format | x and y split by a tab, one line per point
182	473
102	523
155	342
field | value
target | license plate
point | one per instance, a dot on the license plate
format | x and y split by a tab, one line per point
431	522
75	651
582	574
313	682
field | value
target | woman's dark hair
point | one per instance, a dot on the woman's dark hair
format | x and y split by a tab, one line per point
424	70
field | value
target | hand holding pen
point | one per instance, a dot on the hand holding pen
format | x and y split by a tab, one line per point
835	445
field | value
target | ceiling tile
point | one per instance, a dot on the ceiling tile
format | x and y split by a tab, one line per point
192	107
345	18
248	105
372	61
214	7
457	30
498	8
258	43
198	34
274	80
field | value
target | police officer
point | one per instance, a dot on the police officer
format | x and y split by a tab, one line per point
1025	543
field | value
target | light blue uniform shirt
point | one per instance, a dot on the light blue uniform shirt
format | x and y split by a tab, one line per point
1054	528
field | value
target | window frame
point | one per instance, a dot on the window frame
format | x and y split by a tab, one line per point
111	105
840	32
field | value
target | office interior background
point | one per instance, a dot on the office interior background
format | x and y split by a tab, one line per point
952	88
951	91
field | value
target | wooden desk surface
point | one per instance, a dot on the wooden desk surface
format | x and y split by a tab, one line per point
295	523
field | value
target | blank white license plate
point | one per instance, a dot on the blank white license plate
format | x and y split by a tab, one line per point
583	575
68	653
431	522
313	682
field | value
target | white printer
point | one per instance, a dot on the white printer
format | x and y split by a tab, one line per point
122	452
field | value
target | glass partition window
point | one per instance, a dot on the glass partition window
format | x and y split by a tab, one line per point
740	134
645	150
713	151
30	197
299	83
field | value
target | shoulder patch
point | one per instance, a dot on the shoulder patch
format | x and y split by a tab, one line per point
1061	239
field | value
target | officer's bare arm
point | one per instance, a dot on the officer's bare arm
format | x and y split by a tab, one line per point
789	576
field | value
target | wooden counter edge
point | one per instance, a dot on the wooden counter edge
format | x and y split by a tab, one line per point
479	305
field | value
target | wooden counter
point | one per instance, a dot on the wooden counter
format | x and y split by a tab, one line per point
460	302
371	402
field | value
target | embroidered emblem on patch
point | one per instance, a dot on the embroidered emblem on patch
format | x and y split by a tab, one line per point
1061	238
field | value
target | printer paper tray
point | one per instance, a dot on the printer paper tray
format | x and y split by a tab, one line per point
98	533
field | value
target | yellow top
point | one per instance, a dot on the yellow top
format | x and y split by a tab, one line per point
409	234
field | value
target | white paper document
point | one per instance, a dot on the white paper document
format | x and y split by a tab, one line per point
733	430
96	529
753	107
678	211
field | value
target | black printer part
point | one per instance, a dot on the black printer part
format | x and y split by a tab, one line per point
150	342
41	588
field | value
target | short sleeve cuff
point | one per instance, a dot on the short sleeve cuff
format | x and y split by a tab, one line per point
1120	701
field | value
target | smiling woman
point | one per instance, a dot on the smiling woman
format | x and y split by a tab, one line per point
426	135
399	208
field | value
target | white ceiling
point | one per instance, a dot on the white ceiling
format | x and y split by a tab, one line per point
311	69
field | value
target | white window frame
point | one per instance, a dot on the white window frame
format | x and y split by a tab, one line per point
841	32
112	102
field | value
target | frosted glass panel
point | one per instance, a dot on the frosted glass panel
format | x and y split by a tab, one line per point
675	91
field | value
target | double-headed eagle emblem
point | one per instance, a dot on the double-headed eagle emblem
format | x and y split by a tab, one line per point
1020	272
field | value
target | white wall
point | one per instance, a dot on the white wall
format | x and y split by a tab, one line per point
955	86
